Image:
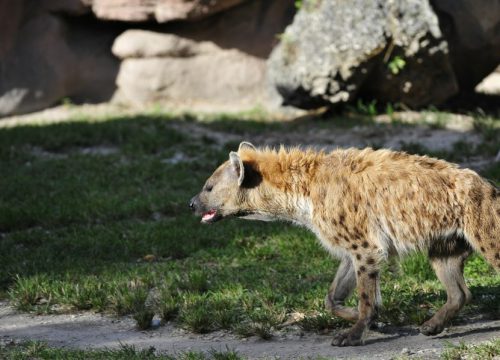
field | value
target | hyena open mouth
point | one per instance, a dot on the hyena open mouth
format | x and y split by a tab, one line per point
210	216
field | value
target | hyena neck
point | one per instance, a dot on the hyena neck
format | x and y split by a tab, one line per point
270	204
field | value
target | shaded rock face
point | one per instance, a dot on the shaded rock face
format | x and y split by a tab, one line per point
472	29
44	57
52	49
337	50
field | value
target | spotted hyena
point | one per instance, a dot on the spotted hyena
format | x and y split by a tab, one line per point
365	206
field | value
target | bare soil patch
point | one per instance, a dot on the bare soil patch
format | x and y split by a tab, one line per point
94	331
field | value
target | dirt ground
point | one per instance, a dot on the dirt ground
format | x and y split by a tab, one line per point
88	330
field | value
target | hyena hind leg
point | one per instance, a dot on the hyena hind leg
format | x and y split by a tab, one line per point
449	271
340	289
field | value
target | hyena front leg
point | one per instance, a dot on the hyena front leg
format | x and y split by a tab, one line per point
450	272
340	289
367	272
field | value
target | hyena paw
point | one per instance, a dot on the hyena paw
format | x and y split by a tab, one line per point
430	328
347	338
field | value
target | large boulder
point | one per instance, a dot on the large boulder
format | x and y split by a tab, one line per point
336	50
164	67
217	63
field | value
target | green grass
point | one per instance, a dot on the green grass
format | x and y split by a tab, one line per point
485	351
112	233
39	350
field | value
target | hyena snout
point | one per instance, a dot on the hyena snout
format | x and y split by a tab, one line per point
194	204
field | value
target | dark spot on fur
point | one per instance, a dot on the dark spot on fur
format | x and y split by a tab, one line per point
358	256
367	303
373	275
354	246
477	196
370	261
482	249
252	177
341	218
453	245
364	296
362	269
427	163
497	256
364	244
398	155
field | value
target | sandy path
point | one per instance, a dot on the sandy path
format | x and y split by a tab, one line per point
89	330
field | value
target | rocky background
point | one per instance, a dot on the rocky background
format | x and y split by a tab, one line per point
235	54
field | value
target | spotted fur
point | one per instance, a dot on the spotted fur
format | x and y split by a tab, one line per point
365	206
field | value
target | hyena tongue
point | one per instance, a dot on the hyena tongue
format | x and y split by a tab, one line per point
208	215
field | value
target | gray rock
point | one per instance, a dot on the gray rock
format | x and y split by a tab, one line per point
336	50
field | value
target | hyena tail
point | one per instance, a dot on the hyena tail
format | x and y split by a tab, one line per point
482	221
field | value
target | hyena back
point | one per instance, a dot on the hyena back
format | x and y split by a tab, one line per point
365	206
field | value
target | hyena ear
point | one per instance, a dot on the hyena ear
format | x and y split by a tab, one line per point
237	166
246	145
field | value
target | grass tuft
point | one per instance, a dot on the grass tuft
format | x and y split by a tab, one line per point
485	351
39	350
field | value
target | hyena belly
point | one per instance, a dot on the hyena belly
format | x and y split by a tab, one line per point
431	209
413	213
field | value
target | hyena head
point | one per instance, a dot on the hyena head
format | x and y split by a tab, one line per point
225	193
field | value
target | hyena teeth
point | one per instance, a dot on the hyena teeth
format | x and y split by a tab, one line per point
209	215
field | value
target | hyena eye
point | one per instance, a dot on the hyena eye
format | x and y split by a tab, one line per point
208	188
